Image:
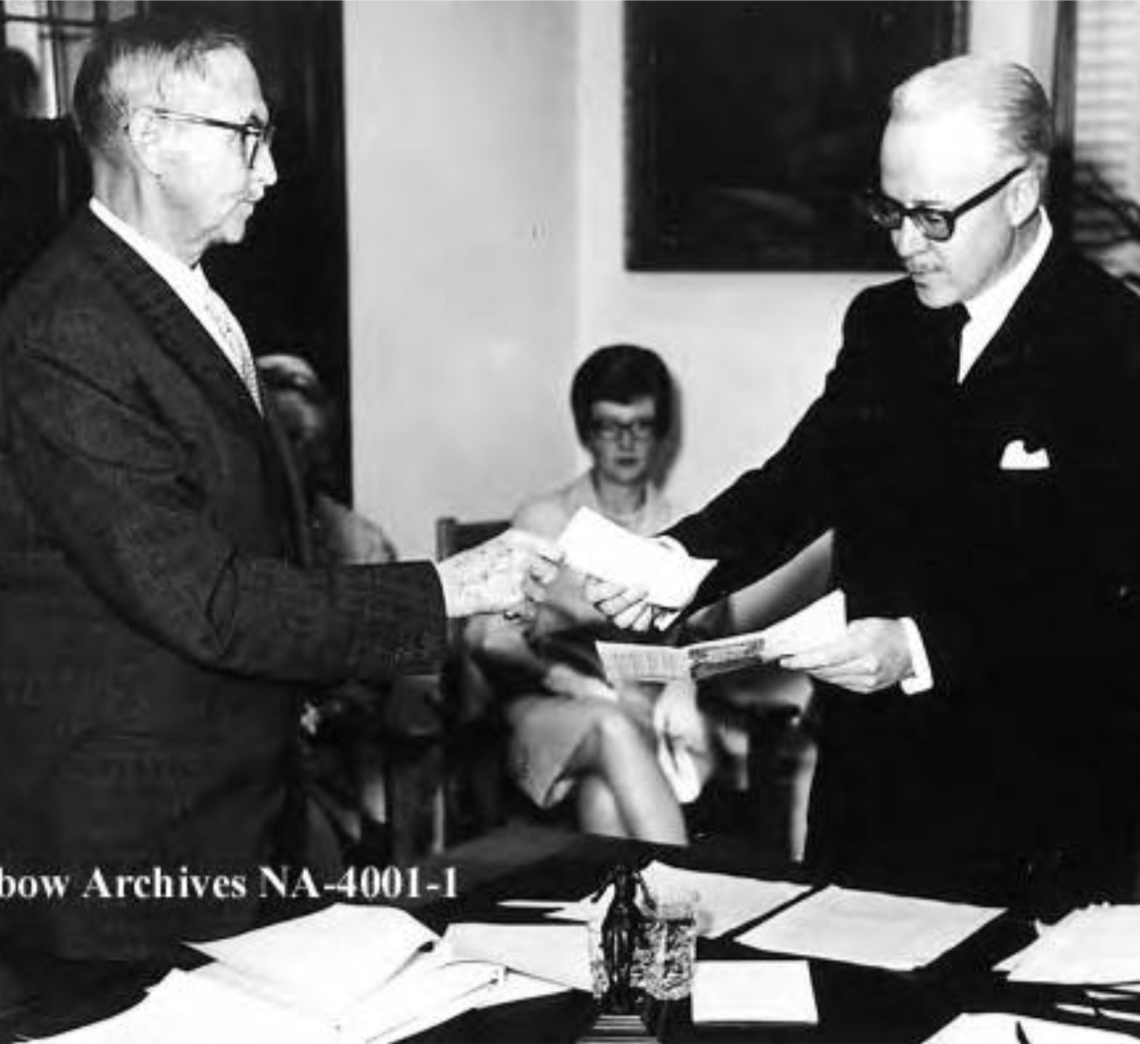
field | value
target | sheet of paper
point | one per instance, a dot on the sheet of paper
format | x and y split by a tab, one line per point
1001	1028
330	958
822	621
1098	944
596	546
625	661
555	952
187	1008
753	991
725	901
869	928
517	986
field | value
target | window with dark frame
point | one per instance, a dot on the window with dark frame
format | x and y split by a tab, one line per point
1096	182
55	34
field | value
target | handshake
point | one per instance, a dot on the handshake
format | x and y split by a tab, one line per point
636	582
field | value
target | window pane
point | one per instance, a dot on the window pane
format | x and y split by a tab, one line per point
26	8
1106	147
74	10
71	46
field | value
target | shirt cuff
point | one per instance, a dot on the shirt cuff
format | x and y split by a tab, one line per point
920	679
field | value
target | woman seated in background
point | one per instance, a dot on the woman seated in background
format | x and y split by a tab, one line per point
344	733
628	755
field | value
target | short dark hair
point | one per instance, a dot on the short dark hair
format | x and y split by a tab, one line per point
622	373
134	56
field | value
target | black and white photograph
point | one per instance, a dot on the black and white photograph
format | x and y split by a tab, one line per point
570	520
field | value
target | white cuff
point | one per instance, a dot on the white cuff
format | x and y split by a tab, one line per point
920	678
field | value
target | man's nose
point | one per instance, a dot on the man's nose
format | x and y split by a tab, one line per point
908	239
264	169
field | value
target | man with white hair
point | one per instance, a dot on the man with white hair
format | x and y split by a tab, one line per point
976	450
157	633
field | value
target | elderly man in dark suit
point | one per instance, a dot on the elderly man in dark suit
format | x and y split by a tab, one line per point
976	450
156	632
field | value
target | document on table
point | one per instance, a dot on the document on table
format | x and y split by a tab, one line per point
554	952
774	992
869	928
1001	1028
822	621
327	959
186	1008
598	547
1097	944
725	901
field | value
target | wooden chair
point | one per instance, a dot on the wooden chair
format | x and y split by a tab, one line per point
468	796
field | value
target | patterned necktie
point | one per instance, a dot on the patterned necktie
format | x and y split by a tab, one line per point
234	344
951	321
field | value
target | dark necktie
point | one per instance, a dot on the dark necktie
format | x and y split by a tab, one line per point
951	320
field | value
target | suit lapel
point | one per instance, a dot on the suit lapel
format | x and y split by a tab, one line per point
1015	342
177	330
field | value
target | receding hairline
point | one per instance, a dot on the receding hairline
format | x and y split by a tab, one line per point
1002	96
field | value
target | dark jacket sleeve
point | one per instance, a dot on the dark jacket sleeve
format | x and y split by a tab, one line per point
772	512
119	491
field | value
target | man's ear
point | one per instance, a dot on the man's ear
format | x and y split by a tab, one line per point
1025	195
145	138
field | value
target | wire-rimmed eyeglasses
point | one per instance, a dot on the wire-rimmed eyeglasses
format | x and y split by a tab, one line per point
254	133
935	223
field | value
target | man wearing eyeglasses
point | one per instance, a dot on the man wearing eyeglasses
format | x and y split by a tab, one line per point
159	626
976	451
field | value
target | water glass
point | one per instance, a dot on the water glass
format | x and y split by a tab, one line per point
669	946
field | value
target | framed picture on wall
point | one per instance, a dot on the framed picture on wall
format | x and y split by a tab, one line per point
751	126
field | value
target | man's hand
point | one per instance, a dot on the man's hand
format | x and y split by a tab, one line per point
504	575
627	607
873	654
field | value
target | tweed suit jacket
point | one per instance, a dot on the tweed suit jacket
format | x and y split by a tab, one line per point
1024	581
156	631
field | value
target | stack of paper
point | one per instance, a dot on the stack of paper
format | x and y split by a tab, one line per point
869	928
999	1028
1099	944
598	547
347	974
774	992
822	621
185	1008
725	901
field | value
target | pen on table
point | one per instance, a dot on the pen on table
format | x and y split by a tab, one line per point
1019	1032
533	904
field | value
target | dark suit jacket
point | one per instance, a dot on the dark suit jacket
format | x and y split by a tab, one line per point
1025	585
155	632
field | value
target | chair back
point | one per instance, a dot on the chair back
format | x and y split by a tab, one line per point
453	536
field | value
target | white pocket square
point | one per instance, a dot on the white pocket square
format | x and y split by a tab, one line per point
1015	457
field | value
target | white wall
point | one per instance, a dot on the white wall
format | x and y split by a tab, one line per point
462	215
469	123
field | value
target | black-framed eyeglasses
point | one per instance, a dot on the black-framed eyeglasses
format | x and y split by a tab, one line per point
254	134
935	223
640	430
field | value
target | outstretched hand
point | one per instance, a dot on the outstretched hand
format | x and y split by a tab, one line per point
507	574
627	607
872	654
